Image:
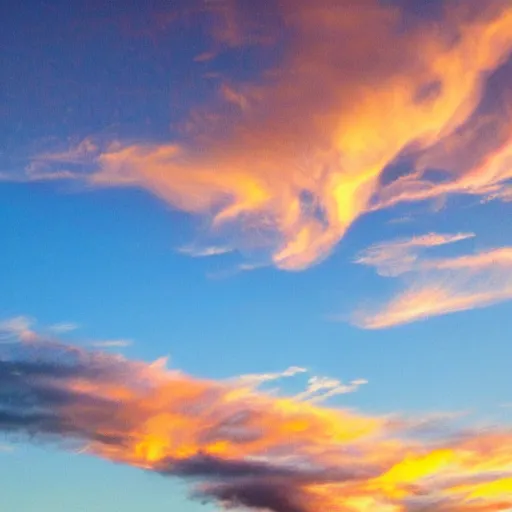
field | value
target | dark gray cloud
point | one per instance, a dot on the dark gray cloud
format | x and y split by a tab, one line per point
275	495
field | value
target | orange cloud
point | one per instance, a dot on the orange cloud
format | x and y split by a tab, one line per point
295	159
246	448
440	285
489	179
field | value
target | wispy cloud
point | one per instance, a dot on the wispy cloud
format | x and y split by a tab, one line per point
286	164
27	330
204	252
421	302
489	179
63	327
112	343
400	256
319	389
438	285
494	258
322	388
242	447
257	379
20	327
504	194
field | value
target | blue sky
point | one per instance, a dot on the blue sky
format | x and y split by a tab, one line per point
110	259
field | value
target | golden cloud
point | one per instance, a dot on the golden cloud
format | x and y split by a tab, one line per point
243	447
294	159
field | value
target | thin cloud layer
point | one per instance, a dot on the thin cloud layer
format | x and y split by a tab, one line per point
399	256
112	343
421	302
244	448
497	258
286	164
438	285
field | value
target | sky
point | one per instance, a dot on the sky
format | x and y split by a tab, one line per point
256	255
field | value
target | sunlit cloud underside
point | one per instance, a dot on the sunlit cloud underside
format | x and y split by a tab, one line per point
287	163
239	446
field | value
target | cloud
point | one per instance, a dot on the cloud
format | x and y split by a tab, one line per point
63	327
19	327
112	343
504	194
489	180
421	302
204	252
241	447
284	165
321	388
438	285
23	328
400	256
494	258
257	379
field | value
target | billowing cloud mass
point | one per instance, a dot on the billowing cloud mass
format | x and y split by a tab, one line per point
436	285
287	163
241	447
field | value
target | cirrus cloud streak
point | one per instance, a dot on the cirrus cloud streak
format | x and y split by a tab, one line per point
436	286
